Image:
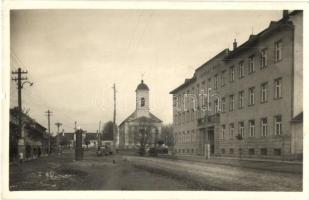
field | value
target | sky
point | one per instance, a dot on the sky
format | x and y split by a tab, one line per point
74	57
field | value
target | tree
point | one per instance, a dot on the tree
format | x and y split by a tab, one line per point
144	134
167	135
108	131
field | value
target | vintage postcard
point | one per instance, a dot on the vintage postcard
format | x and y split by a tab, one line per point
129	100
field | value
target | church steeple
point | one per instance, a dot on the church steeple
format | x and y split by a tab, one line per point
142	99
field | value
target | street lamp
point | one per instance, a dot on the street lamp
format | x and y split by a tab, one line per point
30	83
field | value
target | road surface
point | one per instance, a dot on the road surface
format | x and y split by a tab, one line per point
144	173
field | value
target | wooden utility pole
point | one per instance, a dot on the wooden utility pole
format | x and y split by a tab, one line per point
20	84
99	134
49	113
114	119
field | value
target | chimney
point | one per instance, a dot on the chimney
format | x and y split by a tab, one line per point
285	13
234	44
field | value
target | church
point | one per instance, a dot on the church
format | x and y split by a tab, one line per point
141	127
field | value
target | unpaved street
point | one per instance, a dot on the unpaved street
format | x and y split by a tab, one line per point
144	173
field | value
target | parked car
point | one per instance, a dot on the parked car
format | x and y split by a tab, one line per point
100	150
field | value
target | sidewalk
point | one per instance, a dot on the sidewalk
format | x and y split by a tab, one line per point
270	165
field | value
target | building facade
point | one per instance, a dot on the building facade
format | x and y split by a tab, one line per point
141	124
243	102
33	142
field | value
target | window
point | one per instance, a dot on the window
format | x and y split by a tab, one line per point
277	152
251	128
223	104
278	125
251	96
216	105
223	131
251	151
263	92
251	65
241	99
216	81
231	130
241	129
142	102
232	74
263	151
278	88
241	69
278	51
231	151
209	83
232	101
222	151
263	58
264	127
223	79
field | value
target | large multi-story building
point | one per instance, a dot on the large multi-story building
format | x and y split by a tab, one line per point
246	101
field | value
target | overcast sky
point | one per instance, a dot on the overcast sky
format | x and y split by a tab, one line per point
74	57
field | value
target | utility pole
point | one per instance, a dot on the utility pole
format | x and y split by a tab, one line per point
99	134
20	85
49	113
114	120
58	124
74	134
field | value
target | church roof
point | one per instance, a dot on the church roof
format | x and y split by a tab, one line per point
151	119
142	86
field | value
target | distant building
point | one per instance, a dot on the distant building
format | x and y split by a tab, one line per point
246	101
92	138
141	123
67	139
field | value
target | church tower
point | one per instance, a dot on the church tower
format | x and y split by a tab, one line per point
142	100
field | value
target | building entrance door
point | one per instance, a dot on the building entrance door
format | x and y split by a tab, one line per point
210	134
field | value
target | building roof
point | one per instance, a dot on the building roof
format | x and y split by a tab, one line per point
298	118
70	136
30	122
142	86
187	82
152	118
273	26
92	136
253	39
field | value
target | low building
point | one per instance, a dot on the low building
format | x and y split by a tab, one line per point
246	101
33	142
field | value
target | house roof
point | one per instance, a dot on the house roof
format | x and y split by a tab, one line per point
273	26
187	82
253	39
70	136
91	136
30	122
298	118
152	118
